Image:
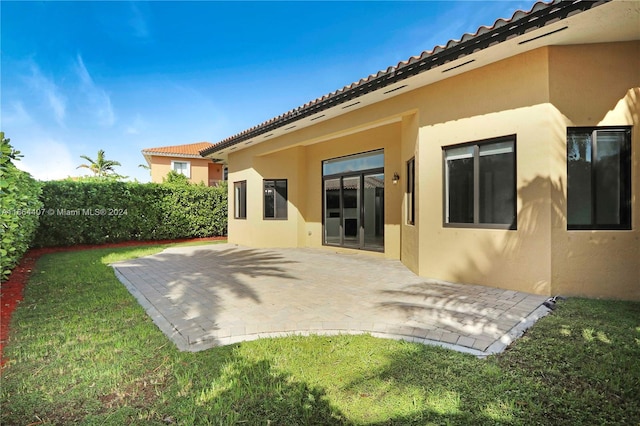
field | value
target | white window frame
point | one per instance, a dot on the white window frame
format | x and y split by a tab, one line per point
188	163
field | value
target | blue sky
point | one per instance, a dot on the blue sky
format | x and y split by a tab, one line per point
77	77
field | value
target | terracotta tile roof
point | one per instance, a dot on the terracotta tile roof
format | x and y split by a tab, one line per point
540	14
191	149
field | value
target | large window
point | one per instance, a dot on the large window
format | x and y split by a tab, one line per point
240	199
480	184
182	167
599	178
411	191
275	199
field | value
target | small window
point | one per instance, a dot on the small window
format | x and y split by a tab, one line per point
275	199
411	191
480	184
182	167
240	199
599	178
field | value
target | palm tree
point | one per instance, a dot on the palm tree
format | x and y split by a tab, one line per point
100	167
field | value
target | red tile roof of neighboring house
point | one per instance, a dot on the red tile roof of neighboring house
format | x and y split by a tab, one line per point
521	22
187	150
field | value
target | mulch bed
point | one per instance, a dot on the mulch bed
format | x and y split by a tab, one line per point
11	290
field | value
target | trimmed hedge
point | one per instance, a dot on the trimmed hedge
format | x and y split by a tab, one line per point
20	208
94	212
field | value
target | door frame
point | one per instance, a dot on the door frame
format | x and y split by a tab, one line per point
361	214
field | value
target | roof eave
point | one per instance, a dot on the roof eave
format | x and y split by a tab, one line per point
168	154
520	23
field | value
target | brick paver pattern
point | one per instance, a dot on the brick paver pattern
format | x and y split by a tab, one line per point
206	296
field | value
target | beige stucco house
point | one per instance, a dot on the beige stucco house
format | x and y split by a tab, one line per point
186	160
509	158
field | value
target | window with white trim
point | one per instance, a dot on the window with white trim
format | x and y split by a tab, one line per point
182	167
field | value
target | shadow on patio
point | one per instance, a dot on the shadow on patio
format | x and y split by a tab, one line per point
182	289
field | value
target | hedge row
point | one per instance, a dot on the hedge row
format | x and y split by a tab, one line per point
19	204
111	211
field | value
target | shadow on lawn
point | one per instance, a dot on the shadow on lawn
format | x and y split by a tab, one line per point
95	360
447	388
561	373
187	287
253	392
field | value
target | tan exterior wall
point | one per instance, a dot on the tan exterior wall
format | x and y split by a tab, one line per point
302	167
410	237
384	137
514	259
255	231
533	96
597	85
505	98
202	169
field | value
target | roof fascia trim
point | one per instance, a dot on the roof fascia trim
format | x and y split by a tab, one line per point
167	154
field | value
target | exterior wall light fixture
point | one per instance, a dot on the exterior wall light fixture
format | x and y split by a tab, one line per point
396	178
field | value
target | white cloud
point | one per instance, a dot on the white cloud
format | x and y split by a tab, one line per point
97	98
47	159
50	91
15	114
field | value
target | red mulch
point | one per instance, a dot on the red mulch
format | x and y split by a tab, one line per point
11	290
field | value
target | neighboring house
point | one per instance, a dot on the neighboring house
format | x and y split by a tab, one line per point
186	160
509	158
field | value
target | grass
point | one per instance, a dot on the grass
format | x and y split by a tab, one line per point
83	351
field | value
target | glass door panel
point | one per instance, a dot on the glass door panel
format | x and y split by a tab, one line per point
373	214
353	192
351	211
332	211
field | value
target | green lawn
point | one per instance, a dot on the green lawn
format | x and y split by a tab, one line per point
83	351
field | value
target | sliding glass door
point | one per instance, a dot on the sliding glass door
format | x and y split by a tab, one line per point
332	212
373	211
353	191
351	211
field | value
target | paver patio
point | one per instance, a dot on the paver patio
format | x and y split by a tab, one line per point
205	296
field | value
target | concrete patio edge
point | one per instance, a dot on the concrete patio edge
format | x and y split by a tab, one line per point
507	339
184	344
158	319
498	346
206	297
